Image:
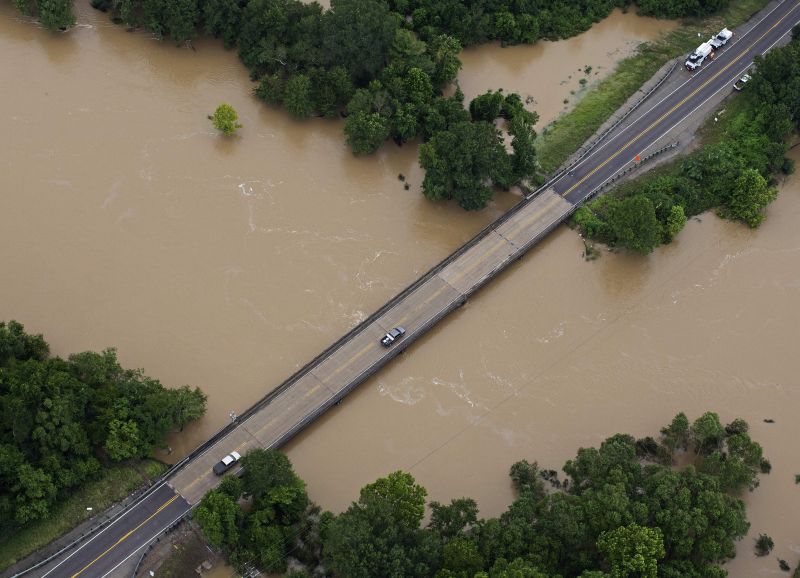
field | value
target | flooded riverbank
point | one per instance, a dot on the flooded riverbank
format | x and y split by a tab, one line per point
126	220
551	76
560	353
223	263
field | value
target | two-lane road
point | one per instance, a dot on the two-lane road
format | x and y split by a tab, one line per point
329	377
123	538
714	76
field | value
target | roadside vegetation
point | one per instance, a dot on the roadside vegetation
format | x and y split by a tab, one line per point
558	141
623	509
65	422
734	171
113	484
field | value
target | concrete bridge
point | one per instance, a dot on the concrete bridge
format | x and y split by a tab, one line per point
114	548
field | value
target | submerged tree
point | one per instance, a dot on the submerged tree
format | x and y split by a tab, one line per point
226	119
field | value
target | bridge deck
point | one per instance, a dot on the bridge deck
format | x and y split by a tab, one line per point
321	384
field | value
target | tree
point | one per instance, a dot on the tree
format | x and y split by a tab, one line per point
527	477
676	220
297	96
358	35
218	515
380	536
634	224
180	19
188	405
123	440
450	521
460	161
16	344
750	196
365	132
676	435
35	493
460	556
331	89
524	159
268	478
764	545
271	89
444	51
632	550
486	106
405	498
707	433
55	14
221	19
265	543
56	415
226	119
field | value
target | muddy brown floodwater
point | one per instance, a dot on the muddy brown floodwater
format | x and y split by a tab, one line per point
559	353
126	220
548	75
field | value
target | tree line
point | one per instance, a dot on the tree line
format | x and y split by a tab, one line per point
382	65
623	509
62	420
736	174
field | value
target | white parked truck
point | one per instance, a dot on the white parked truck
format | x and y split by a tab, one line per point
721	39
697	57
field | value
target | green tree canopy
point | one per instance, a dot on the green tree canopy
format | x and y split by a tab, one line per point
750	196
226	119
633	550
59	418
462	162
634	224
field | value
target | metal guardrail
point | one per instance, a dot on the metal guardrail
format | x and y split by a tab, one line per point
602	136
155	541
133	499
610	181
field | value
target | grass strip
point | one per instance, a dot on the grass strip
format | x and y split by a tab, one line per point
117	482
565	135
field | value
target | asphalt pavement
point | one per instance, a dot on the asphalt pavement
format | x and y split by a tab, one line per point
121	540
661	117
111	549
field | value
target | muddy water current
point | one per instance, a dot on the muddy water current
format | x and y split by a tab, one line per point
126	221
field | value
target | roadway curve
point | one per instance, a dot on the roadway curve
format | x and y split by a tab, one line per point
107	552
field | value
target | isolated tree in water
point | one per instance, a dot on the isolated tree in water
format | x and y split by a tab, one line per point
226	119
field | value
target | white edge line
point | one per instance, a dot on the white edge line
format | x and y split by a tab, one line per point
663	134
97	535
147	543
676	89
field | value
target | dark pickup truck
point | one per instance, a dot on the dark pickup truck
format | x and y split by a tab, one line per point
392	336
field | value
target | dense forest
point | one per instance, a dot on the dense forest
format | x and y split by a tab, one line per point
385	66
623	509
734	173
62	420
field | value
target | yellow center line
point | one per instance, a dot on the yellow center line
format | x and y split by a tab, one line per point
674	108
125	537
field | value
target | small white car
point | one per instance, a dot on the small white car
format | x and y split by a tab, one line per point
739	84
226	463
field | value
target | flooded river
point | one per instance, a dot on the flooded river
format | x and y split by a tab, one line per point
559	353
126	220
